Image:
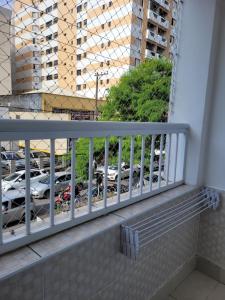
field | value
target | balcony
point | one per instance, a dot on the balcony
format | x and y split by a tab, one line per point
163	3
157	238
152	36
153	16
151	54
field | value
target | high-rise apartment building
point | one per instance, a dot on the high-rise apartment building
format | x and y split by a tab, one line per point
74	46
5	52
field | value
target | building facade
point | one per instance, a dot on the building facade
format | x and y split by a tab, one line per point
83	47
5	52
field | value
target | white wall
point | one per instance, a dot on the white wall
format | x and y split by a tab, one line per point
215	149
193	81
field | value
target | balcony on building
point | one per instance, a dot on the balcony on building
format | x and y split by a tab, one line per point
163	3
156	18
161	240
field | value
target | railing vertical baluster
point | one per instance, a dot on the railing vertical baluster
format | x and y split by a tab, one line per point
1	215
131	166
73	180
90	177
175	161
27	178
119	169
142	164
160	159
152	162
52	181
185	155
106	171
168	159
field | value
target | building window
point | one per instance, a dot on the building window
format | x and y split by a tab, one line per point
49	51
49	37
35	53
48	24
49	64
103	6
55	35
102	45
85	5
85	23
101	81
55	76
78	72
79	8
55	5
35	67
110	3
79	57
55	49
108	62
34	40
84	70
85	39
56	63
79	25
137	61
84	86
79	41
48	9
78	87
103	26
107	81
101	64
55	20
109	43
109	24
84	55
49	77
35	15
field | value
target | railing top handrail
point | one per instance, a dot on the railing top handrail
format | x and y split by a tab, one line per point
37	129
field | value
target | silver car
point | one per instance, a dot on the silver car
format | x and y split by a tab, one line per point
13	206
17	180
41	189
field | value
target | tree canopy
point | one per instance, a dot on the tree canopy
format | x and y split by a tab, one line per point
142	94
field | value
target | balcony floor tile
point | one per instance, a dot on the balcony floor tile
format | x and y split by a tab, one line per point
198	286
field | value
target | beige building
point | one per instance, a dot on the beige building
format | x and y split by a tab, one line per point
5	52
70	47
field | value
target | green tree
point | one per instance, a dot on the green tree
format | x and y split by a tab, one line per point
142	94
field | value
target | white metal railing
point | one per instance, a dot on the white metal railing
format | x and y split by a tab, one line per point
158	19
162	169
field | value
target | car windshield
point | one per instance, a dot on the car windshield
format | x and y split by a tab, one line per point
39	154
11	177
113	168
11	156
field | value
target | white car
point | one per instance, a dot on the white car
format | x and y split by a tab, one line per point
17	180
13	207
125	171
41	188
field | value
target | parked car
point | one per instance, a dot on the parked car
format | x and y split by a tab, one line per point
13	207
125	171
17	180
41	188
8	156
39	159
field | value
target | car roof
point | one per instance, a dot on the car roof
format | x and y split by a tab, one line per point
13	194
58	174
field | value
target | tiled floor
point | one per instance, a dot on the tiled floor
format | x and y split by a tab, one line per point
198	286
